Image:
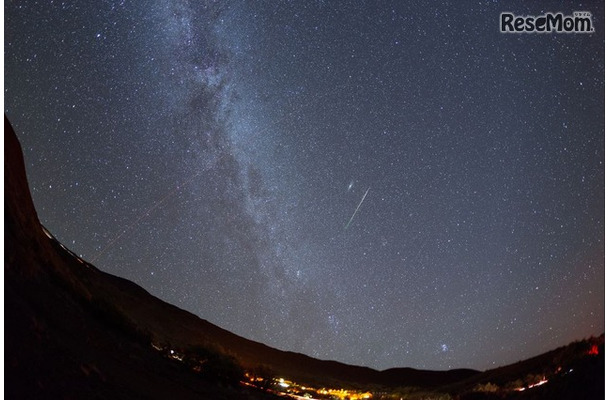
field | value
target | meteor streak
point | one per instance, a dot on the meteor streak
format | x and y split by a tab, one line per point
145	215
357	208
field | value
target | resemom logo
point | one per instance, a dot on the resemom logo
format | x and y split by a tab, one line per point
578	22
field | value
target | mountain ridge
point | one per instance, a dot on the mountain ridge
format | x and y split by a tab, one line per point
75	331
37	265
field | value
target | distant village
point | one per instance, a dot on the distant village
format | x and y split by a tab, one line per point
286	388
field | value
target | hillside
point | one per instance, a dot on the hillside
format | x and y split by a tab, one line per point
62	339
73	331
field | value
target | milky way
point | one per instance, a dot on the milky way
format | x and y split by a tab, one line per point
214	152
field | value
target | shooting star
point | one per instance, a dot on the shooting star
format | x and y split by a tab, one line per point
357	208
145	215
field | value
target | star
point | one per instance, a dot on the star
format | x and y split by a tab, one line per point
221	149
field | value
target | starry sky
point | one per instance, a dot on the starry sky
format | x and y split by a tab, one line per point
392	184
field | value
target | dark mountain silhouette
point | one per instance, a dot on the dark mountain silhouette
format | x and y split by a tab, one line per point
65	335
73	331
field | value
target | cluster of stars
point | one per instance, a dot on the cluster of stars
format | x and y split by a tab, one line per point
214	153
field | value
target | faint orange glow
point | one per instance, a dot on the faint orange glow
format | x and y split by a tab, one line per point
593	351
542	382
539	383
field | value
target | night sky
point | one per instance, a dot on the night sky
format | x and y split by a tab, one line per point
392	184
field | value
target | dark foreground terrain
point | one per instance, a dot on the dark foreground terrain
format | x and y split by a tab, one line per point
73	332
65	337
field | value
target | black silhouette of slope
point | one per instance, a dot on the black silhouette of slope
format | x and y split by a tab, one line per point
73	331
571	372
45	279
61	340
